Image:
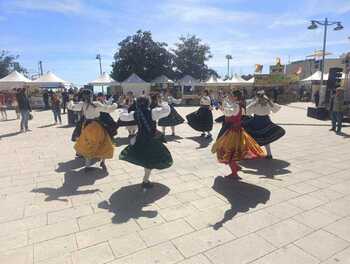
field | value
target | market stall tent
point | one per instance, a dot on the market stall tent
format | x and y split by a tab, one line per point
104	80
135	85
316	77
50	80
163	79
13	80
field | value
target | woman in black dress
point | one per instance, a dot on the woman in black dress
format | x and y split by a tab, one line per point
202	119
147	150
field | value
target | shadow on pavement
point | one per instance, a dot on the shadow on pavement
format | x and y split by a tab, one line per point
70	165
46	126
128	202
202	141
266	168
72	181
170	138
121	141
242	196
10	134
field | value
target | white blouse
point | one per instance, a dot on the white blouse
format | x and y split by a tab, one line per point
157	113
89	111
262	110
230	108
172	100
205	100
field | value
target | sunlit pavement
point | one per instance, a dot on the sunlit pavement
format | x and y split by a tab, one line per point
293	209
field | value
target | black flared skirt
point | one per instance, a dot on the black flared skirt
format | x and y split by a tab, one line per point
263	130
173	119
201	120
149	153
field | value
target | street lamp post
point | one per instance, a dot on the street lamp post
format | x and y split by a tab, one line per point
314	25
228	58
98	57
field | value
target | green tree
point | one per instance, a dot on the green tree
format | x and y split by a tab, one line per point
8	63
191	56
142	55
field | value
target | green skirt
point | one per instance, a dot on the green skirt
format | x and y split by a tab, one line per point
149	153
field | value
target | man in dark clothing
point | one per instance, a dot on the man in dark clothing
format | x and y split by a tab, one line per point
337	108
46	99
317	98
24	109
65	99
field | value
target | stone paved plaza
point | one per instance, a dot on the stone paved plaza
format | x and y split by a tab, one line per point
293	209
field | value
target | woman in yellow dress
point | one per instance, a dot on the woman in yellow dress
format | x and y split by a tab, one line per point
94	141
233	143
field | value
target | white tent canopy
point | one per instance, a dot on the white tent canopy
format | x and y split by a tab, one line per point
163	79
15	77
188	80
104	79
135	85
13	80
316	77
50	80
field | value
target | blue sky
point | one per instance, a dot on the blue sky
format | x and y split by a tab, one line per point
67	34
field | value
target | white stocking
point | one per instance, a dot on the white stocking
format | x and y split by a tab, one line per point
163	129
173	130
147	175
268	150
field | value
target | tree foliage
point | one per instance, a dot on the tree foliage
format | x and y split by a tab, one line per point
149	59
140	54
191	56
8	63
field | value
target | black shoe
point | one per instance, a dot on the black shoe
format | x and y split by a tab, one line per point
209	136
147	185
103	166
332	129
203	135
269	157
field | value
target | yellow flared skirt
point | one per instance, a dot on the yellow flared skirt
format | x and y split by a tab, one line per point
236	145
94	142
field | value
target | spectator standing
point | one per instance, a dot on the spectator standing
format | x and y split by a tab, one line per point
337	108
56	108
317	98
24	108
46	99
65	100
3	107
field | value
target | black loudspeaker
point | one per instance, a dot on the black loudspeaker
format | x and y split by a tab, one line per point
318	113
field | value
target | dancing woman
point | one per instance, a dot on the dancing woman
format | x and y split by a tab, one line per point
202	119
260	126
129	105
174	118
94	141
233	143
147	150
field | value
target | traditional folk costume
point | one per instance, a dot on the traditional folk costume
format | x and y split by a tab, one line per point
131	126
260	126
233	143
147	150
202	119
174	118
94	142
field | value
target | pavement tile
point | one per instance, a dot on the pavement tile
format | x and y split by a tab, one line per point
165	232
22	255
197	242
242	250
340	228
54	248
285	232
199	259
164	253
69	213
322	244
105	232
288	255
316	218
126	245
342	257
52	231
97	254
